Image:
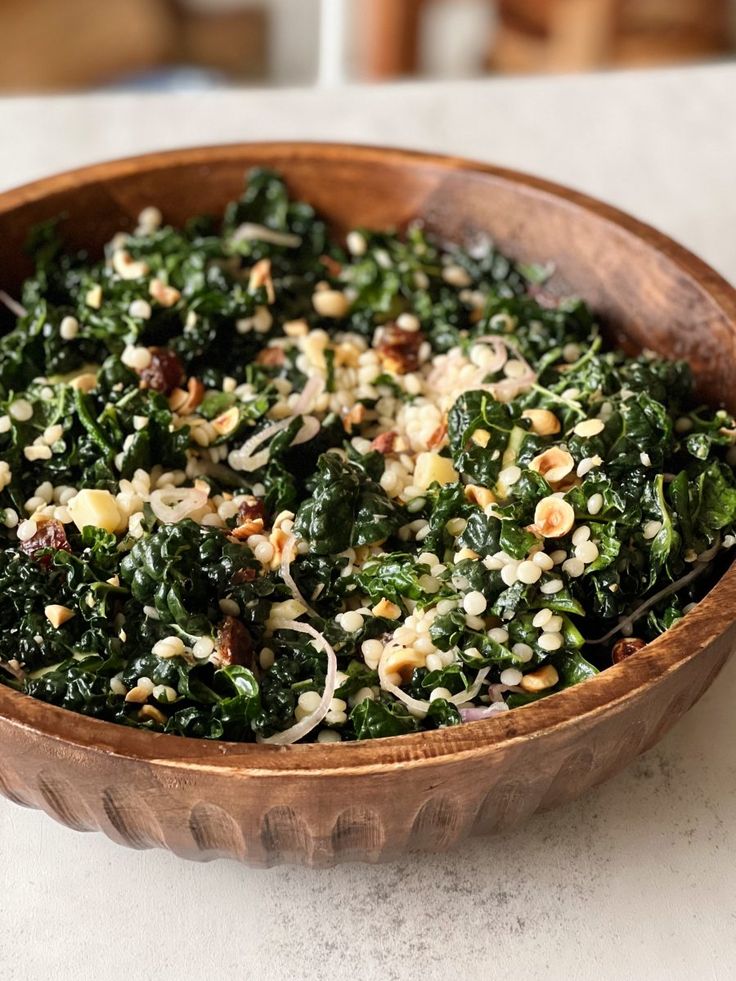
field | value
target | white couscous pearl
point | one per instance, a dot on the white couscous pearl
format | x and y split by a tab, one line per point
203	647
510	475
587	552
21	410
499	635
168	647
544	561
541	617
553	625
595	504
140	309
328	736
474	603
510	677
550	642
352	621
439	693
356	243
308	701
229	607
651	529
580	535
573	567
69	328
529	572
136	358
523	651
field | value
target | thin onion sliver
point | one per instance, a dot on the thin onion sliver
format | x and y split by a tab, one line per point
648	604
172	504
309	722
251	232
17	308
477	714
419	707
287	557
312	390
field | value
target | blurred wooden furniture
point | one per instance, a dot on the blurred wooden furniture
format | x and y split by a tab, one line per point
556	35
574	35
67	44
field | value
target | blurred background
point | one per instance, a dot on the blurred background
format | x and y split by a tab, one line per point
68	45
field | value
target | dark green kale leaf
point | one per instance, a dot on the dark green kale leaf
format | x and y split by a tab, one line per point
346	508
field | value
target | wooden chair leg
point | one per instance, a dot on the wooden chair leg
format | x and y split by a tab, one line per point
582	33
389	33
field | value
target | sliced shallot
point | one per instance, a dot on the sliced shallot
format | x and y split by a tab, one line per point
250	232
487	712
287	557
417	706
304	726
172	504
18	309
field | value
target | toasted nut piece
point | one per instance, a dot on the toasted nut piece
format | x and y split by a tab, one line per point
465	553
554	464
431	467
438	436
227	422
479	495
589	427
138	693
178	399
544	422
481	437
385	442
347	354
192	397
330	303
56	615
385	608
253	526
151	712
332	266
271	357
126	266
398	350
553	517
84	382
296	328
278	538
260	275
93	297
403	661
541	679
162	293
353	417
625	648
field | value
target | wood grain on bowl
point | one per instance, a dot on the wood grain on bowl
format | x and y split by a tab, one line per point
321	804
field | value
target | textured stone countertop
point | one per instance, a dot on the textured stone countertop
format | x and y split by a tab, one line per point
638	879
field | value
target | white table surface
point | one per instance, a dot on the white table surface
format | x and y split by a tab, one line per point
638	879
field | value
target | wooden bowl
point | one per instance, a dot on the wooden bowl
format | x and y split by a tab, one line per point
321	804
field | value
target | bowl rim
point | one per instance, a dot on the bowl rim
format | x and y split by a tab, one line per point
608	692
